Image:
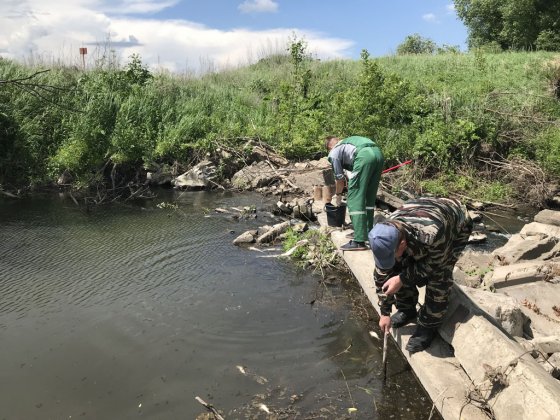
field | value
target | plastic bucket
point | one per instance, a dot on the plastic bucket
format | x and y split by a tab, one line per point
335	215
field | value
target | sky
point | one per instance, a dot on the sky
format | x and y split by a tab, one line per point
205	35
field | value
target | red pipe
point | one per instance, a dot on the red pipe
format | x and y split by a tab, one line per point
397	166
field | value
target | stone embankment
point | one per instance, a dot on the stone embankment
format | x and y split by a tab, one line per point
498	354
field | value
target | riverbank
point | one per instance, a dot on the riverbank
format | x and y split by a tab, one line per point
477	124
501	333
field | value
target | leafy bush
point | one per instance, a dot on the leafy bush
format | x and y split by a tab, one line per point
547	150
416	44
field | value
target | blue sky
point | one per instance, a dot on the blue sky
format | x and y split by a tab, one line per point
183	35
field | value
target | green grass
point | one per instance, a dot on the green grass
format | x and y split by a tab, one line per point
445	111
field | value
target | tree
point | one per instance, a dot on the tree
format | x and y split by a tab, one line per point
513	24
416	44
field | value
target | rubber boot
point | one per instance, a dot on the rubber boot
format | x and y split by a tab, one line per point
421	339
402	318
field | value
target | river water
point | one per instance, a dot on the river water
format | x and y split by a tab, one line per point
131	311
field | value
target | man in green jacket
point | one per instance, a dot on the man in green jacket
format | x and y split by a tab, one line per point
364	160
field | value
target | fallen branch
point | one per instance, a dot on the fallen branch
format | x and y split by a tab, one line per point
210	408
8	194
290	183
490	203
273	233
523	117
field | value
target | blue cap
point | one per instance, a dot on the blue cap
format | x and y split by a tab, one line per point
383	241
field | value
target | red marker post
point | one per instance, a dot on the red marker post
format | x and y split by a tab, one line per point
83	52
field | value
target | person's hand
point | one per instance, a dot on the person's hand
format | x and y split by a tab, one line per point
385	324
392	286
337	200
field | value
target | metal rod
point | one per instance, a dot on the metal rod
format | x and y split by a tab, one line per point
392	168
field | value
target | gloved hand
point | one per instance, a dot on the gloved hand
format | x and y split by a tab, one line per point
337	200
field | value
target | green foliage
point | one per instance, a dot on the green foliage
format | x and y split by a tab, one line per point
513	24
443	110
448	49
548	40
318	249
495	191
434	187
291	238
299	117
382	106
547	150
136	72
416	44
443	145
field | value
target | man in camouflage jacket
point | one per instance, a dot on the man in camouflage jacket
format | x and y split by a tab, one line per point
418	245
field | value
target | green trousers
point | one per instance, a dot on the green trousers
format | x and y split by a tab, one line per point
362	190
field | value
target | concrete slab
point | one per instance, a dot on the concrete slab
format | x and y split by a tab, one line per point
544	296
513	383
437	370
483	356
527	272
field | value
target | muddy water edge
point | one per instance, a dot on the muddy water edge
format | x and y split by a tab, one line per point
133	310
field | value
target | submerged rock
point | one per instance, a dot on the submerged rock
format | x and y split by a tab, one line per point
246	238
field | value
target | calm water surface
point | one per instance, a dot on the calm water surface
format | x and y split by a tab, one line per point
132	310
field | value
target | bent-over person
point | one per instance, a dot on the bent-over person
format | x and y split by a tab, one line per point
418	245
364	160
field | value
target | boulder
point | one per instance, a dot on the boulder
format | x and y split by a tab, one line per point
307	176
65	178
245	238
524	247
508	378
536	229
477	237
160	174
257	175
260	153
389	199
276	230
475	216
549	217
199	176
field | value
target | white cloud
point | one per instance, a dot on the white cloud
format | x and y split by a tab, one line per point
53	30
430	17
258	6
139	6
450	8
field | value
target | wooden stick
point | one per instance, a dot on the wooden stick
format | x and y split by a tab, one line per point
385	356
210	408
491	203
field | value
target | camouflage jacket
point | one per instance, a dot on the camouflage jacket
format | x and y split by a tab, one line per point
436	231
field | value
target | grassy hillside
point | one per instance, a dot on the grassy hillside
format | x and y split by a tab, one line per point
472	122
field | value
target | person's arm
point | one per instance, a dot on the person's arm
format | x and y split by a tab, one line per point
385	301
340	184
335	157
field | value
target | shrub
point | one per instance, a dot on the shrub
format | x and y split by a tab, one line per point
416	44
